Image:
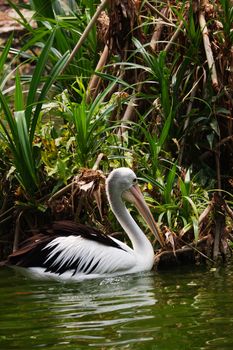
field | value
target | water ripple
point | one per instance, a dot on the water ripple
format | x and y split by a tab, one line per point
181	310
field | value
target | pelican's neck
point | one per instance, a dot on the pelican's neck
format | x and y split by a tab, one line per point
140	243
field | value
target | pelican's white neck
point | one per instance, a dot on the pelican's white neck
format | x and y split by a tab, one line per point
141	244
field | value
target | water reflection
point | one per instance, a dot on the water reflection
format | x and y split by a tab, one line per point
89	312
179	310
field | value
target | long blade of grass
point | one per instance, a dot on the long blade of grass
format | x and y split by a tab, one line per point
100	98
9	118
26	146
195	211
165	130
19	103
195	228
36	78
169	184
23	21
4	54
49	81
43	8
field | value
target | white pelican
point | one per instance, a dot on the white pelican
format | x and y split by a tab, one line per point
77	250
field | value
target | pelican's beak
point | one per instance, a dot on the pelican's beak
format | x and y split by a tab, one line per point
134	195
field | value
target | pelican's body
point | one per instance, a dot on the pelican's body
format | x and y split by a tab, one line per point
77	251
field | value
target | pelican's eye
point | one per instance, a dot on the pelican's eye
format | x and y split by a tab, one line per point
135	181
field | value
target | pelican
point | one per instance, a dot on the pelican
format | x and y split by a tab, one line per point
76	250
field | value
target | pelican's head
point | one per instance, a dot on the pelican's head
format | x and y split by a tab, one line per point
122	184
121	180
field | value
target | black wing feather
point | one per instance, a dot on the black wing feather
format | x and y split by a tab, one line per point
35	252
68	228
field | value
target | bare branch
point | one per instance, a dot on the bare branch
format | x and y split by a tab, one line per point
208	51
86	32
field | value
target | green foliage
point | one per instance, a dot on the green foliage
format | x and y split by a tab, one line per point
180	200
18	128
49	130
56	146
91	124
51	17
227	20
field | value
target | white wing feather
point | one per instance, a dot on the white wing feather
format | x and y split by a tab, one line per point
90	253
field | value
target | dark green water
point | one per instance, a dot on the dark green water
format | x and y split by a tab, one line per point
188	309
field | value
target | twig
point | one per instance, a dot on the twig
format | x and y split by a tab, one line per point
60	192
3	221
208	51
219	223
97	162
95	80
86	32
193	93
225	140
218	171
217	235
192	246
228	210
152	8
174	37
4	205
127	116
17	231
157	31
129	111
9	211
205	213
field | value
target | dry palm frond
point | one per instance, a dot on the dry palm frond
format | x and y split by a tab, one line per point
78	197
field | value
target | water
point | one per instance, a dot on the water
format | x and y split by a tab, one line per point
183	309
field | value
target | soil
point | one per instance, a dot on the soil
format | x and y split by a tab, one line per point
9	20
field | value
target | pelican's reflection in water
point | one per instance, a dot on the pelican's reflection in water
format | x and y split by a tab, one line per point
91	310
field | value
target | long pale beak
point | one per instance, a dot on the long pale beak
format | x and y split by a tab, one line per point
134	195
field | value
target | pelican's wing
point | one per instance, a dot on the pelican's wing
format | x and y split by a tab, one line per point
68	246
81	255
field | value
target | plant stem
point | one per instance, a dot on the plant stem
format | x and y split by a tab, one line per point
174	37
152	8
86	32
208	51
95	80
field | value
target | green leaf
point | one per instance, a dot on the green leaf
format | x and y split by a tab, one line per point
36	78
4	54
43	8
195	227
195	211
9	117
19	103
26	146
169	184
54	74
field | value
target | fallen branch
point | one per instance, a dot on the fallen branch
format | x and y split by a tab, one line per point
182	256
